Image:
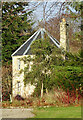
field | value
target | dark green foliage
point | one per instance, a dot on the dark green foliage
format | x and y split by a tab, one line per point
77	6
46	54
6	82
73	60
68	78
50	68
16	27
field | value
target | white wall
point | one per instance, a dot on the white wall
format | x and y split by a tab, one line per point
24	91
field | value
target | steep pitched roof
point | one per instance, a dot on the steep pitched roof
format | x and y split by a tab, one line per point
24	48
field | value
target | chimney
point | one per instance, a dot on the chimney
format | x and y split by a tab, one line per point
63	37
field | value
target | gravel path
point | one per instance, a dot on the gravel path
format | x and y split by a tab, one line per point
16	113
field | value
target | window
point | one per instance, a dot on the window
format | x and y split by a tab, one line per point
18	86
18	64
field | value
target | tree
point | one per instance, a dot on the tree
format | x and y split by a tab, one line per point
45	55
6	82
49	67
72	12
16	27
51	17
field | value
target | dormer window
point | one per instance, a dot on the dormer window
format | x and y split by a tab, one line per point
18	64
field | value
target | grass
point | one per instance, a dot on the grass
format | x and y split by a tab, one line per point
58	112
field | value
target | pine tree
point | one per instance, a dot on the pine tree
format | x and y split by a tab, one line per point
16	27
46	55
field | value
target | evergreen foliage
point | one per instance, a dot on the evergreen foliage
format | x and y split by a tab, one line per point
50	68
45	53
6	82
16	27
67	78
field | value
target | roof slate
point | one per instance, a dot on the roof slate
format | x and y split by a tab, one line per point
24	49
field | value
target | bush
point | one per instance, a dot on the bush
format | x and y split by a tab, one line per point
69	79
18	97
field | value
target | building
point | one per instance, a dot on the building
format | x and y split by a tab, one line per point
24	50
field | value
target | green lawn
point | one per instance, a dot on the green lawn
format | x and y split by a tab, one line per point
58	112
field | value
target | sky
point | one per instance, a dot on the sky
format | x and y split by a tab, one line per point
38	13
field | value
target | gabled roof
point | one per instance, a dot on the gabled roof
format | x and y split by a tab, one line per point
24	48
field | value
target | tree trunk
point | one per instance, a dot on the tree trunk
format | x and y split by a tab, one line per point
42	90
46	91
10	98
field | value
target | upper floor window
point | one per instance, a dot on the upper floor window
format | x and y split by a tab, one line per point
18	64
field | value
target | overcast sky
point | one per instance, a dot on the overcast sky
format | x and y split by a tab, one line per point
38	13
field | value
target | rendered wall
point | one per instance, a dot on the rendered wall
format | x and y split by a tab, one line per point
16	77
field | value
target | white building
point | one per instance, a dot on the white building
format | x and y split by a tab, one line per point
24	50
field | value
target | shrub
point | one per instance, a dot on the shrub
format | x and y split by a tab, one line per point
6	82
68	78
